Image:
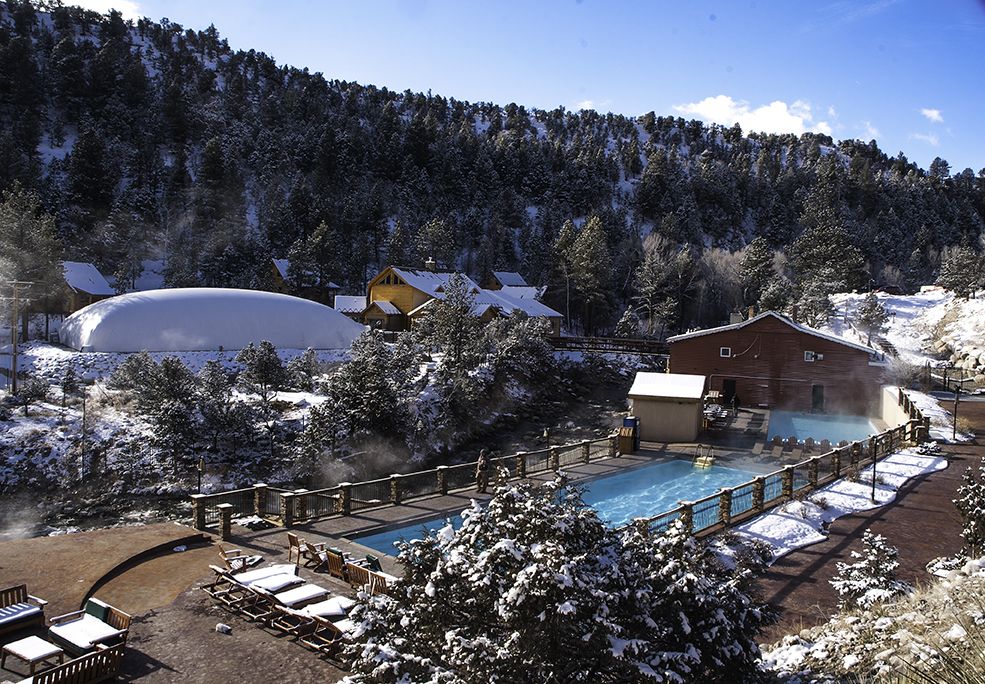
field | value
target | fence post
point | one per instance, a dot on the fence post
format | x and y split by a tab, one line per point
442	479
926	429
586	451
725	506
812	471
787	482
287	509
225	521
855	453
260	499
554	459
614	445
687	517
521	464
836	462
758	493
642	526
198	511
300	505
395	488
345	498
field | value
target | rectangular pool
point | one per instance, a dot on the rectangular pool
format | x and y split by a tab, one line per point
618	498
818	426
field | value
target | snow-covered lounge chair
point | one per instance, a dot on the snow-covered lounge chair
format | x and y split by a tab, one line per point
301	621
324	636
98	624
18	609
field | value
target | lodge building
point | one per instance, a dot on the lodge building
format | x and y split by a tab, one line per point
770	361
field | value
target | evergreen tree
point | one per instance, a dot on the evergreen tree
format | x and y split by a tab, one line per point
757	270
33	390
961	271
214	401
263	372
872	578
70	385
450	325
590	273
871	316
302	370
970	503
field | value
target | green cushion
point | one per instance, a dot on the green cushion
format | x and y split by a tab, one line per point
97	609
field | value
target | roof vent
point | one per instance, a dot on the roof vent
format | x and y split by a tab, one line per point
431	264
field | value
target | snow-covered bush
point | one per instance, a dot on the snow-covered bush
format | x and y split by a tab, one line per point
536	588
872	578
970	502
302	370
31	391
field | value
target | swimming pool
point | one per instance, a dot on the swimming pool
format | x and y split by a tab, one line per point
833	427
618	498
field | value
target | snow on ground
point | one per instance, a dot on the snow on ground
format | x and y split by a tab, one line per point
51	361
801	523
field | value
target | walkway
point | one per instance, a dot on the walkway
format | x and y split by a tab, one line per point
922	522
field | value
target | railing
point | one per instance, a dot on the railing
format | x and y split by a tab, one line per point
726	507
288	507
611	344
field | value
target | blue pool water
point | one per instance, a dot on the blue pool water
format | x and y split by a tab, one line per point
819	426
618	498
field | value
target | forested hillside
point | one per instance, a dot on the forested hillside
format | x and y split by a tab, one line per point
146	140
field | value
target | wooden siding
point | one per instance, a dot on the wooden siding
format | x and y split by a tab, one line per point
768	368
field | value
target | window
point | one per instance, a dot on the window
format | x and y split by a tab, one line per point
809	356
725	352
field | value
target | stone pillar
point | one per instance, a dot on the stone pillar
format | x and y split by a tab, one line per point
687	517
925	434
758	493
787	482
554	459
614	445
855	453
198	511
395	488
300	505
725	507
586	451
521	464
442	479
225	521
287	509
260	499
836	462
345	498
642	526
812	467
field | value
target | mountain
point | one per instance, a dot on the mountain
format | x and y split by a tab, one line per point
147	140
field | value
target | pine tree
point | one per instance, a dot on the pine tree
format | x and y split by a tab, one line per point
263	372
302	370
872	578
757	270
871	316
591	273
32	391
961	271
451	326
970	503
214	401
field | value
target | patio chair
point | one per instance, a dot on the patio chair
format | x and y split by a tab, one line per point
98	624
19	609
373	563
335	564
358	575
312	554
236	560
293	547
324	636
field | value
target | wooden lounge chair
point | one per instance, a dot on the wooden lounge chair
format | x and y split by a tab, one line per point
236	560
98	624
358	575
18	609
312	554
324	636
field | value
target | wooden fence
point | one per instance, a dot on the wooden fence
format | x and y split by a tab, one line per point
291	507
611	344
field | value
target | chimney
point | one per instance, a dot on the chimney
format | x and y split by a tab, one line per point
735	317
431	264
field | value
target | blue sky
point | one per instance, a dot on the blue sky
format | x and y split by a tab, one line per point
909	73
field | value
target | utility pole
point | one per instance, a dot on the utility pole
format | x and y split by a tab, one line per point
15	287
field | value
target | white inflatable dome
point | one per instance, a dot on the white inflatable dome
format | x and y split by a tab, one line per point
205	319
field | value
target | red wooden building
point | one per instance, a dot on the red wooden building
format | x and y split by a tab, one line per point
772	362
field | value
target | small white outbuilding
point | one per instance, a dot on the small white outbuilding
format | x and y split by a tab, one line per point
668	406
206	319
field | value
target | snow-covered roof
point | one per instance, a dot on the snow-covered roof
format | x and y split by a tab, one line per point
523	292
284	265
668	386
508	303
509	279
204	319
386	307
350	303
84	277
430	282
797	326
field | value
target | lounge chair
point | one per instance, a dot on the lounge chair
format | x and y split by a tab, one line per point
312	554
299	622
98	624
324	636
236	560
19	609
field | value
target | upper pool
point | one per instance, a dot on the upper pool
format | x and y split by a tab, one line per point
818	426
618	498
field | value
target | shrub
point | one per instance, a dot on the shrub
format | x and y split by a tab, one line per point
872	578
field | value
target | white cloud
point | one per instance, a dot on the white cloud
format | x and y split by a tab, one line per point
928	138
128	8
870	132
932	115
775	117
591	104
832	112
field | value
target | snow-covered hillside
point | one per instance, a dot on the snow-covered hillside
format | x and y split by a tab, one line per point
929	326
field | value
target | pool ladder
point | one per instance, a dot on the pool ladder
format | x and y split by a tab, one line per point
704	459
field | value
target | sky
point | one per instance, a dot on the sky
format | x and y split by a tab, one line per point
908	73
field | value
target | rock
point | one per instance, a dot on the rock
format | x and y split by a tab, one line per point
223	628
